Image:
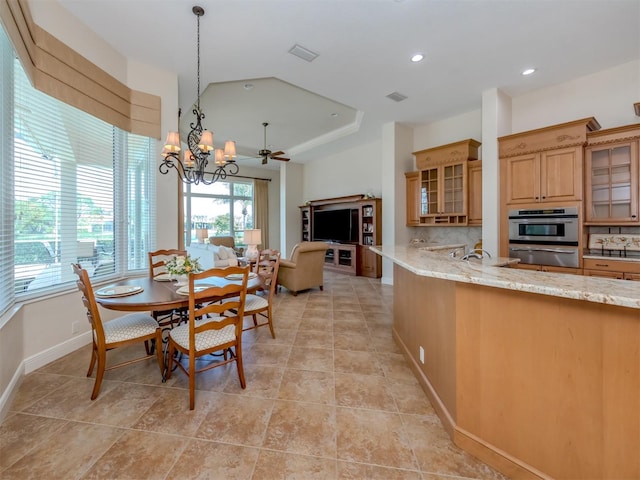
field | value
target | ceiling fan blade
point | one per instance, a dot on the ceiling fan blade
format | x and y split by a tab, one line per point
283	159
275	154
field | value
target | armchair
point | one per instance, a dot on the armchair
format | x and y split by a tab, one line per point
304	269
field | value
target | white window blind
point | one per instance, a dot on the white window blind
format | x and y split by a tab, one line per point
6	172
81	191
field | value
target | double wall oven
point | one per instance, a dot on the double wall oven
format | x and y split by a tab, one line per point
547	236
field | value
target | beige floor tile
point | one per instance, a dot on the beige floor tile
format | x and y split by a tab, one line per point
359	471
261	381
19	434
361	363
438	455
396	367
170	412
306	358
272	465
364	391
68	454
373	437
314	338
202	459
284	336
36	386
266	354
349	340
236	419
137	455
302	428
307	386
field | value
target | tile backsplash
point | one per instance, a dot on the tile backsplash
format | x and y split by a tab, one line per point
449	235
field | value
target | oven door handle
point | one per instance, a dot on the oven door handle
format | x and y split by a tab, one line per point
551	250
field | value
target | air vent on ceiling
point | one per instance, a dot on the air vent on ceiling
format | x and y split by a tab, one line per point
397	97
303	53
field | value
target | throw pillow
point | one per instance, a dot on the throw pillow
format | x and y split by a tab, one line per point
221	252
231	254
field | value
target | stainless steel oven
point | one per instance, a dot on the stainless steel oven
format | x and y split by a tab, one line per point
547	236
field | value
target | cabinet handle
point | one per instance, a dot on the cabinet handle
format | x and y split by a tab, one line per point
602	264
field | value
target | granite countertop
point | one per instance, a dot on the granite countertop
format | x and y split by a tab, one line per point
436	263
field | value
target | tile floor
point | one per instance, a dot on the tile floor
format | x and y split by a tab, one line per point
330	397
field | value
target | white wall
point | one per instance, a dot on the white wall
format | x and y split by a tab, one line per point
608	96
353	171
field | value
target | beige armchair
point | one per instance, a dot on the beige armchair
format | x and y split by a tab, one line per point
304	269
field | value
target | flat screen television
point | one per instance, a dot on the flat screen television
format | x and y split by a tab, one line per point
339	225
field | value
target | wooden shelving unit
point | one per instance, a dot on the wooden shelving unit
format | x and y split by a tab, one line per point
354	257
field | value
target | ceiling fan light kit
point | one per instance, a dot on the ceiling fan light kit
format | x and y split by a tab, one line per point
266	154
191	167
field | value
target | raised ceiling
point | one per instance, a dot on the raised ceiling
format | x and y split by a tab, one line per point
364	48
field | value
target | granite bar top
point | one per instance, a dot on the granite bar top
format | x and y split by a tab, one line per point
436	263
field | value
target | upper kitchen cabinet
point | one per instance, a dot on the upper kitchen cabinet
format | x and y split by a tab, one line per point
441	194
544	165
412	180
611	176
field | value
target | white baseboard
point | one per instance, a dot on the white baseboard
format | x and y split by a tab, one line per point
7	395
47	356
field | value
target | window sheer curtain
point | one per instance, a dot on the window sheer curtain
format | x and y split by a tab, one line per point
261	209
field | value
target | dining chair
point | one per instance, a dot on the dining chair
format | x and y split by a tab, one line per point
159	258
260	303
208	330
119	332
157	261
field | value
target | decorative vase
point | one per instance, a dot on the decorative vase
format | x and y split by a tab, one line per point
181	280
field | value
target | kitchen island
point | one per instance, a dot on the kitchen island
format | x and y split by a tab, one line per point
535	373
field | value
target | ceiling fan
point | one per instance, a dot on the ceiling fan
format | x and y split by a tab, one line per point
266	154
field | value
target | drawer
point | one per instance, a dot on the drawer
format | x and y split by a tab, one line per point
611	265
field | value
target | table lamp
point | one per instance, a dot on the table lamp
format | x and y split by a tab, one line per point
202	234
252	238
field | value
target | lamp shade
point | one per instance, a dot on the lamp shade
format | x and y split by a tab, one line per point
219	156
253	237
206	141
202	234
230	150
172	144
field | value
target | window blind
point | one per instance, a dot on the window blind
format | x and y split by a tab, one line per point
79	191
6	172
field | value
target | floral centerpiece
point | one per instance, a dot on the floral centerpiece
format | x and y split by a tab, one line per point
181	266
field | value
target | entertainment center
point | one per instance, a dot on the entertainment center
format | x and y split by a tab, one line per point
349	225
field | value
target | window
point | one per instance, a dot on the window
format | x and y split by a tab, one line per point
80	190
212	207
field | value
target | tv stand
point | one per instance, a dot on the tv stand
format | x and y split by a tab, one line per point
341	257
354	258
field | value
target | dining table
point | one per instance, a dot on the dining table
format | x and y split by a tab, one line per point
147	294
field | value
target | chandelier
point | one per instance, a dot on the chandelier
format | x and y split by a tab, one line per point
191	165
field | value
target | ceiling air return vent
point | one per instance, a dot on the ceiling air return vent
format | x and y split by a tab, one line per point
397	97
303	53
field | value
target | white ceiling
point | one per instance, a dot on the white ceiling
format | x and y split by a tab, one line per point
364	48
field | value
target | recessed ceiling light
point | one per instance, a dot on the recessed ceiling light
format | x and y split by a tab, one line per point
248	86
418	57
334	114
528	71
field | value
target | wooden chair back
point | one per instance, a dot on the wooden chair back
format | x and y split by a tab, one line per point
159	258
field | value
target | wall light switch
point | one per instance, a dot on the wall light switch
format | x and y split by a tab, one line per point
421	355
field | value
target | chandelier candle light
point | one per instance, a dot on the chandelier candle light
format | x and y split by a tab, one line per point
252	238
191	167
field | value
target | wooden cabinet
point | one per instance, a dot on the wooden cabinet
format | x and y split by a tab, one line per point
620	269
544	165
475	192
370	263
611	176
341	258
551	176
441	195
349	250
412	180
305	223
